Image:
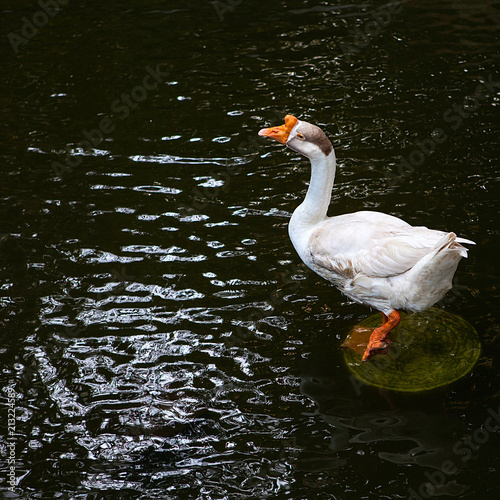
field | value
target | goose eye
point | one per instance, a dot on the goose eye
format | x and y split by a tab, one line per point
300	136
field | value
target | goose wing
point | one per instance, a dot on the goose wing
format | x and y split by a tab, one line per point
373	246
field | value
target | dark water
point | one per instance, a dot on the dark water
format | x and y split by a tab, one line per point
159	336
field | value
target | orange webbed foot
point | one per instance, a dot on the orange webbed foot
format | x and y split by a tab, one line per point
379	341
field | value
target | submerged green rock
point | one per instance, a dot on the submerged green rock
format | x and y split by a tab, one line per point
429	349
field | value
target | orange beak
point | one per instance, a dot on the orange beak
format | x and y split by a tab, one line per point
282	132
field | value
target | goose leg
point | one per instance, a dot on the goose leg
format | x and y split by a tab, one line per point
379	340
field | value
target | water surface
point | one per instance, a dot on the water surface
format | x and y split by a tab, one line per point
160	334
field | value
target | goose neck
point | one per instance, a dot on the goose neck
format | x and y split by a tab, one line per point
315	205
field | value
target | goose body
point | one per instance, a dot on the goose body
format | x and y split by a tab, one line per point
373	258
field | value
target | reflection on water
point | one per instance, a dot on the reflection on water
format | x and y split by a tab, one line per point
158	331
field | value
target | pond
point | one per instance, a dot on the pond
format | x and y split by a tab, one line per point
160	337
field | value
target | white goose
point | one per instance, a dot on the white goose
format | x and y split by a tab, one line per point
373	258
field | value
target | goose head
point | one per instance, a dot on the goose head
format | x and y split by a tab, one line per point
302	137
